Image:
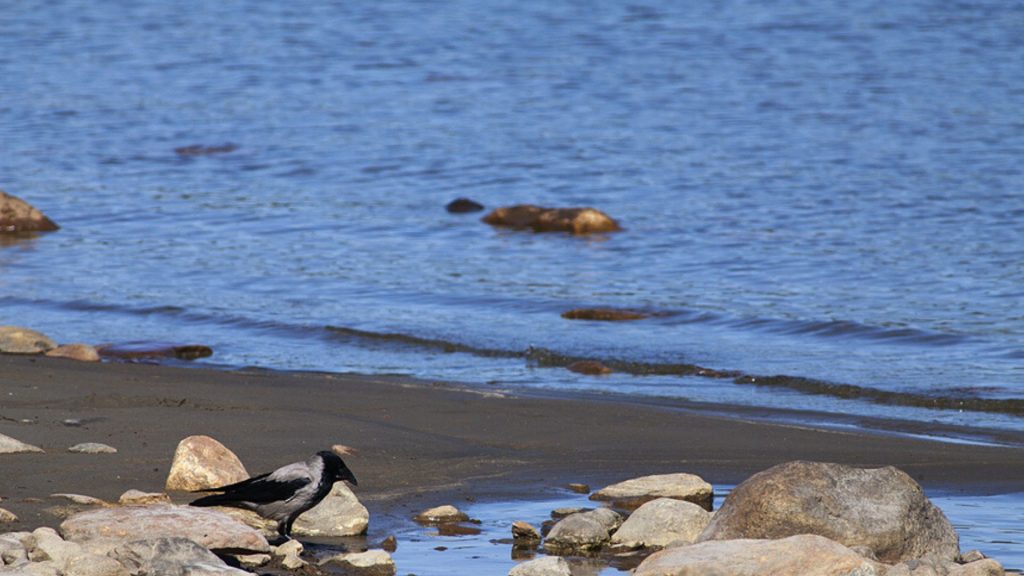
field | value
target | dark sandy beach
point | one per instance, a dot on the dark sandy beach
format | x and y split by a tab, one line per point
418	443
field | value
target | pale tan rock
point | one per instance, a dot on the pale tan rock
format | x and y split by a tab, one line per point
7	517
45	544
637	491
79	352
105	528
446	513
88	564
81	499
135	497
18	340
171	555
369	563
338	514
546	566
290	553
17	216
881	508
984	567
661	522
9	445
804	555
200	462
253	560
92	448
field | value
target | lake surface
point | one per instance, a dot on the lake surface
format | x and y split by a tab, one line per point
832	193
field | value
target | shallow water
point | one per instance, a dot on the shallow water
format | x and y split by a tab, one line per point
992	524
829	192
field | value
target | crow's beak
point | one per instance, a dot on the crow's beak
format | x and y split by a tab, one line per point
350	477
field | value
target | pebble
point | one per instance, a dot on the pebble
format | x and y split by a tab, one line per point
92	448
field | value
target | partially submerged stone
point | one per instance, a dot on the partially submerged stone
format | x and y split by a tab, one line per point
79	352
205	150
603	314
806	555
106	528
881	508
446	513
577	221
582	531
369	563
589	367
150	350
18	340
201	462
637	491
523	533
463	206
17	216
547	566
661	522
9	445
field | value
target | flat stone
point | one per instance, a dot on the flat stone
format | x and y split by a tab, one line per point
18	340
143	350
80	499
92	448
139	498
79	352
547	566
201	462
110	527
446	513
578	221
881	508
806	555
339	514
89	564
661	522
17	216
369	563
637	491
604	314
9	445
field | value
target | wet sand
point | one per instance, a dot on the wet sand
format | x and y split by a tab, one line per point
419	443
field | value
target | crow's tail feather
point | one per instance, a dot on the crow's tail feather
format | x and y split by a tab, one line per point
215	500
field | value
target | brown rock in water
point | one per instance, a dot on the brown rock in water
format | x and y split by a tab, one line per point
524	533
201	150
147	350
463	205
441	514
200	462
582	531
883	509
79	352
579	488
603	314
17	216
539	219
590	368
806	555
18	340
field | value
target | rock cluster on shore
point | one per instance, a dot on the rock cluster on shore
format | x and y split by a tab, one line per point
805	518
19	340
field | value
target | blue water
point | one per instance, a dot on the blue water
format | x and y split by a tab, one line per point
829	191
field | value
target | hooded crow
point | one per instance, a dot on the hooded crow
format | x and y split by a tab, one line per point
285	493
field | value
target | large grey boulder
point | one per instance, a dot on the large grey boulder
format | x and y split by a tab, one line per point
16	216
661	522
582	531
170	557
18	340
9	445
106	528
202	462
806	555
882	509
637	491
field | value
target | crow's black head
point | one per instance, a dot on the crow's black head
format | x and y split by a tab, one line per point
335	467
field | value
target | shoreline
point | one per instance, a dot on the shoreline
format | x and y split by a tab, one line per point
419	443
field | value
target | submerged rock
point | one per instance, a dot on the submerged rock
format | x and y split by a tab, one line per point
9	445
577	221
806	555
18	216
148	350
661	522
589	367
203	150
603	315
201	462
18	340
637	491
464	205
883	509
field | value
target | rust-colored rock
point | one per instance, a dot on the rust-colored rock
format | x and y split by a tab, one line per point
147	350
590	368
539	219
603	314
16	216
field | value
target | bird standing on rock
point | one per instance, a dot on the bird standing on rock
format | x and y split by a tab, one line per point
285	493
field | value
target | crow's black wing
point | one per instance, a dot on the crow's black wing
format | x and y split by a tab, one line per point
234	486
258	490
